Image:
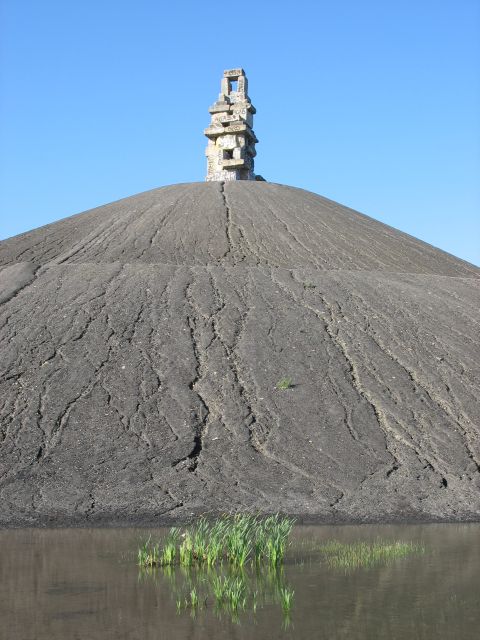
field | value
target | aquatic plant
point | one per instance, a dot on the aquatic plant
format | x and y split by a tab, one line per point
194	598
271	539
185	551
286	598
254	601
239	539
169	550
218	588
213	557
236	593
214	551
229	590
354	555
148	554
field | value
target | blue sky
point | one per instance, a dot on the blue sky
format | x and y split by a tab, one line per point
374	104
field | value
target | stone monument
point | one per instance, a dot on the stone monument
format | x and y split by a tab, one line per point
231	141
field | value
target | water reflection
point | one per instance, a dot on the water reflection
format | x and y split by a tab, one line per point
225	591
85	584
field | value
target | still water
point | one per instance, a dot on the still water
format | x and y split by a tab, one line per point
83	584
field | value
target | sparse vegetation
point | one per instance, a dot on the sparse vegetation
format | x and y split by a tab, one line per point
355	555
284	383
309	285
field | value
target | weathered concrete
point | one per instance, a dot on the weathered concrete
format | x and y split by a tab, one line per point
141	344
231	141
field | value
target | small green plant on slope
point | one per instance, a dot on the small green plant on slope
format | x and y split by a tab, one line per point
284	383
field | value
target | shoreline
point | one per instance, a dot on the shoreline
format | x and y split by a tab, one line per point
148	522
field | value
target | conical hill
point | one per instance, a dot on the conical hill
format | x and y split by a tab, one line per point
250	346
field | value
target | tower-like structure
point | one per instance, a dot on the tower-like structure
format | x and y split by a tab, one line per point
231	141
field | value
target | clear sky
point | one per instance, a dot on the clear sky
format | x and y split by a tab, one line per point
374	104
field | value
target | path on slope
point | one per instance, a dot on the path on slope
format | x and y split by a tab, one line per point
141	344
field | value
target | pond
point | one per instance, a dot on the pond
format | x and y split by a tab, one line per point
85	584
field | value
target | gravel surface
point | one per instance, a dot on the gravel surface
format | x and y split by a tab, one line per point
142	342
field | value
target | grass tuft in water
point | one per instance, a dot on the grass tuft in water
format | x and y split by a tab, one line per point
185	551
230	591
355	555
286	598
194	598
169	551
201	549
226	589
238	539
148	554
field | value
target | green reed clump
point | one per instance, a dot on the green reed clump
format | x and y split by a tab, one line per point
194	600
286	598
214	551
190	601
218	588
148	554
169	551
274	536
236	594
229	591
238	539
185	551
364	554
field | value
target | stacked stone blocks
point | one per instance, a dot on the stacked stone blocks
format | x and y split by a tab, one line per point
231	140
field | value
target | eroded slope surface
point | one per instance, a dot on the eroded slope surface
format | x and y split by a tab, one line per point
141	344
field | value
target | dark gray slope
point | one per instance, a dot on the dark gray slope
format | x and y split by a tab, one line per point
244	223
141	343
